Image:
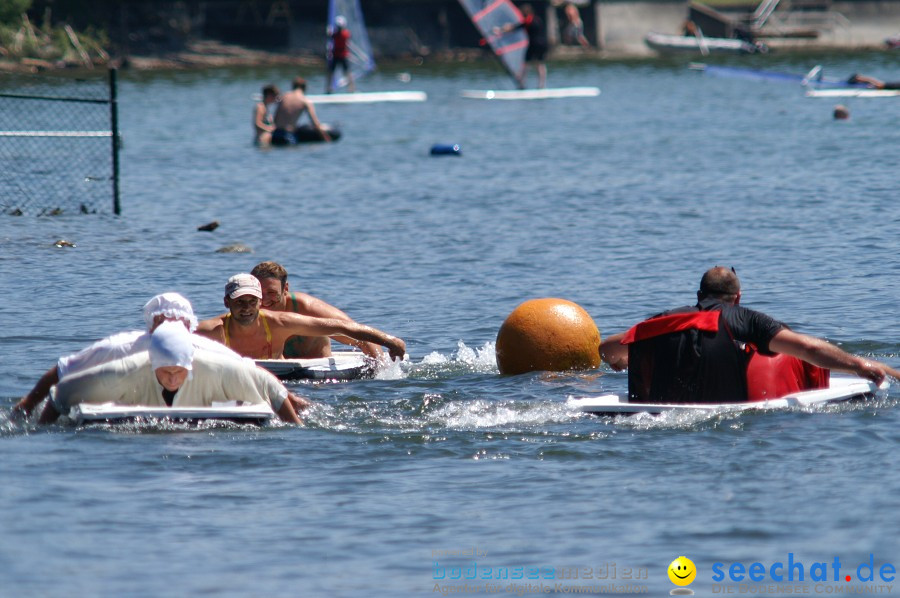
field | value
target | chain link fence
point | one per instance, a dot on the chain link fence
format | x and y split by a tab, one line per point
58	144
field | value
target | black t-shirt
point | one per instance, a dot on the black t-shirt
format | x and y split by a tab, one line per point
695	366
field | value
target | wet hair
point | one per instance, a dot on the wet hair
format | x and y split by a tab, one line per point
719	283
271	90
275	270
299	83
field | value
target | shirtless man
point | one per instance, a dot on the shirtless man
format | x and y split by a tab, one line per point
261	334
291	107
277	296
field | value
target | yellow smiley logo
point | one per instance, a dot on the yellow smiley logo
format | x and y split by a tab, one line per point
682	571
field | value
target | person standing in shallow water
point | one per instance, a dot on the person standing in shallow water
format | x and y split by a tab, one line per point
262	121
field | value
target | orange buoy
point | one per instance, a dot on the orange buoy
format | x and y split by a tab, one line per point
547	335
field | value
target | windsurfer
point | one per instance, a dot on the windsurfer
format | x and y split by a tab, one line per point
291	107
339	54
701	354
261	334
537	44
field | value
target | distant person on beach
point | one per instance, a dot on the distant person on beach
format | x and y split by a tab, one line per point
262	120
171	372
708	353
339	54
536	53
872	82
277	296
261	334
291	107
573	33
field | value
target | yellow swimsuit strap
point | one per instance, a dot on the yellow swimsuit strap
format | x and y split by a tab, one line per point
265	325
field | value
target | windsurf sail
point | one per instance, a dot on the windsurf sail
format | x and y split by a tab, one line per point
813	78
361	61
499	23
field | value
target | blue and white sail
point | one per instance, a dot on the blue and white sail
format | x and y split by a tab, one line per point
360	59
499	23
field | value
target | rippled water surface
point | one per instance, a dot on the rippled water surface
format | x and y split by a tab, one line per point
441	468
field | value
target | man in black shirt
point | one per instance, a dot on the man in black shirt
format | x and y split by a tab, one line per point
700	354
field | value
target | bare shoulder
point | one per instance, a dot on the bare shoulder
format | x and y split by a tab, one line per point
313	306
213	327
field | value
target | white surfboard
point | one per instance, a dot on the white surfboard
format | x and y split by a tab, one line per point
853	93
226	411
840	389
368	97
342	365
531	94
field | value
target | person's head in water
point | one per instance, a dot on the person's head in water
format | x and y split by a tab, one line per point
299	83
841	112
171	355
720	283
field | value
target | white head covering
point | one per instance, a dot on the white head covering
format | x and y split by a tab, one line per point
170	305
340	21
171	345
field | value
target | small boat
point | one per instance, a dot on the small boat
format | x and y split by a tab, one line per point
342	365
88	413
669	44
841	389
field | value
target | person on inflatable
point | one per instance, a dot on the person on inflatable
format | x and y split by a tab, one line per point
718	351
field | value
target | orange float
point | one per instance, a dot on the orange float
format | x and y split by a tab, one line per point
547	335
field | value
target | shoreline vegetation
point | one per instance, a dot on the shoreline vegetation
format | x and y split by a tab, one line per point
28	47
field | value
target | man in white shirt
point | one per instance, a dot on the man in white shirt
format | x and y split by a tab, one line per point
172	372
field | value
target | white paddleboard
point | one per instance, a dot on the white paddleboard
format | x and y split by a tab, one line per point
225	411
841	389
368	97
342	365
531	94
853	93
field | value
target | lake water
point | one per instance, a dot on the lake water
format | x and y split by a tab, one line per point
441	469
